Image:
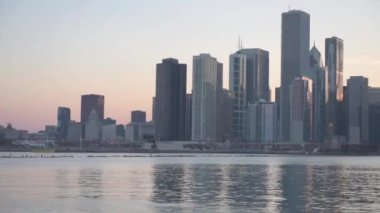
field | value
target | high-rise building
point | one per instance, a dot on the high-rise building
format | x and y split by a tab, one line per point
237	85
88	104
204	98
262	122
317	72
334	64
295	39
301	113
257	74
63	120
170	100
188	117
138	116
357	103
374	115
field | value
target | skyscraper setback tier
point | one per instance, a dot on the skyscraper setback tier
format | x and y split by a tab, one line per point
88	104
295	39
170	100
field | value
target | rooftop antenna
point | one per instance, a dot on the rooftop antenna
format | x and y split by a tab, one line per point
289	7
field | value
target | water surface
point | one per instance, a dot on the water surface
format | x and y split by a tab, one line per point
195	183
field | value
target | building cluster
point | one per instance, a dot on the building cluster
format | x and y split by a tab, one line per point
312	105
95	129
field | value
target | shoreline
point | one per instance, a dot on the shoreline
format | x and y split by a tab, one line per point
184	152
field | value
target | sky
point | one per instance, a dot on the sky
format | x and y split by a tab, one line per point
53	51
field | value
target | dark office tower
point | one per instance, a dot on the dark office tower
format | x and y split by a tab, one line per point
170	101
257	77
334	63
357	103
224	115
188	117
374	115
138	116
295	38
63	118
89	103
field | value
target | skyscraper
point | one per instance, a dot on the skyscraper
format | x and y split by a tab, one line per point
138	116
357	102
295	38
237	86
257	74
88	104
301	113
170	100
334	63
317	72
204	98
63	120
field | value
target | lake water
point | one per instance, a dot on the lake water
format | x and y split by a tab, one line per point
188	183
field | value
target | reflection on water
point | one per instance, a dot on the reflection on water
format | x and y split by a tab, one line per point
90	183
145	185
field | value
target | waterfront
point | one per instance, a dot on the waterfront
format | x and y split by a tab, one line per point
75	182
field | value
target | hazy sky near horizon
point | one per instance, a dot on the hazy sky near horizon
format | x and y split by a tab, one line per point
52	52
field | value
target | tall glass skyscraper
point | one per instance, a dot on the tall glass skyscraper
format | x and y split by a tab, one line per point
238	88
334	63
204	98
257	76
170	100
295	39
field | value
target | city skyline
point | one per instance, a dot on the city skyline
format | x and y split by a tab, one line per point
62	73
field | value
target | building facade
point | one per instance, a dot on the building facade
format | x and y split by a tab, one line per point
88	104
93	127
301	113
262	122
63	120
334	64
257	74
237	85
204	98
357	103
295	44
170	100
318	73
